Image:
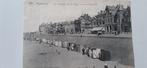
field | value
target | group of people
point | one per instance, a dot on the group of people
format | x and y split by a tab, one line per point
94	53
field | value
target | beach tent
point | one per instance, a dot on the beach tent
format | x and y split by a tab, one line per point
96	53
64	44
105	55
44	40
56	43
59	43
76	47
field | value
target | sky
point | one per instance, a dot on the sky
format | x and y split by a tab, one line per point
46	11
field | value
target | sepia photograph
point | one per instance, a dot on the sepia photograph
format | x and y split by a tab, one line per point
77	34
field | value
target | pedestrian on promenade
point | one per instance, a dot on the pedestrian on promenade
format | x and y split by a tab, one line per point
98	34
105	66
114	66
81	35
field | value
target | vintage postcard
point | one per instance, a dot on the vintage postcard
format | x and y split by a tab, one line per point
77	34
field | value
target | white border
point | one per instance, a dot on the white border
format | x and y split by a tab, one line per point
11	28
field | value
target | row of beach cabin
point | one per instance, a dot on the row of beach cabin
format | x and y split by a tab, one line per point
94	53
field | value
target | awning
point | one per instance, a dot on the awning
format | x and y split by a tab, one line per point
98	29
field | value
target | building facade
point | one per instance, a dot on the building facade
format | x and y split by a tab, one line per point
114	19
77	24
69	27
